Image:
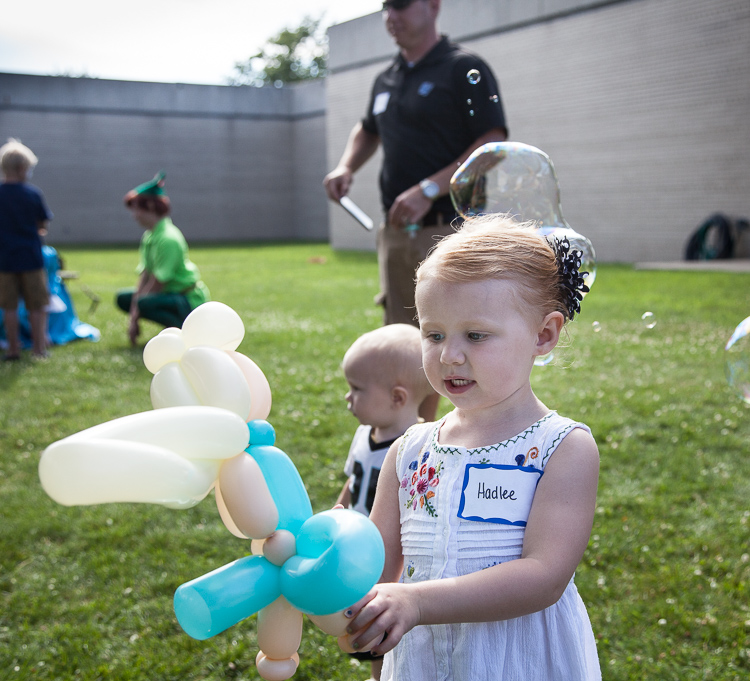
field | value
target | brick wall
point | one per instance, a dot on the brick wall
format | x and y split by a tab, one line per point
240	162
641	104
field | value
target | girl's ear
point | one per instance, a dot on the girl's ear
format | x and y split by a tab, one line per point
549	333
399	396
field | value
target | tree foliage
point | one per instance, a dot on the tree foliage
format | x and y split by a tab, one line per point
294	55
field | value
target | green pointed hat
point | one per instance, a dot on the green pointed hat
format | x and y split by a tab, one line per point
153	187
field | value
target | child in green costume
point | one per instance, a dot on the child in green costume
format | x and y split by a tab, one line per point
169	285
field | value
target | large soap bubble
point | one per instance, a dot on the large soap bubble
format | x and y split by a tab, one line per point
737	363
518	180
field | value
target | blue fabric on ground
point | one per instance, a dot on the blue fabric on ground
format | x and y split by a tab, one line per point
63	325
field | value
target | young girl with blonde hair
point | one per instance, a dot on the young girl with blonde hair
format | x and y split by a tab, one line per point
486	513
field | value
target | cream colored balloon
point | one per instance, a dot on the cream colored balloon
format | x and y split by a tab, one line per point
217	380
260	390
191	432
98	471
227	519
279	629
246	497
163	348
276	670
213	324
333	625
171	388
280	547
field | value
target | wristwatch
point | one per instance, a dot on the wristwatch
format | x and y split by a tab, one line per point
430	189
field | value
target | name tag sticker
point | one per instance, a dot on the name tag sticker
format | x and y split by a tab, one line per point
381	103
493	493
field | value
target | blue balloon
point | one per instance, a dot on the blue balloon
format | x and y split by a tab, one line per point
285	484
261	432
208	605
340	556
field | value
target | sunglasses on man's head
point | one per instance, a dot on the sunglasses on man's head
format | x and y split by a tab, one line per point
396	4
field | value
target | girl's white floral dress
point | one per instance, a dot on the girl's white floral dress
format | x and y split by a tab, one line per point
458	515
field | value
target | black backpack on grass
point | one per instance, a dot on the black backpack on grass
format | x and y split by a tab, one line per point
715	239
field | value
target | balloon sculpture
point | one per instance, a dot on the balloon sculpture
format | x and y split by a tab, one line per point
207	431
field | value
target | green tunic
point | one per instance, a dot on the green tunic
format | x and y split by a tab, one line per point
164	254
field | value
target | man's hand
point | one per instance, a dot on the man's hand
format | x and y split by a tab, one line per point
338	182
409	207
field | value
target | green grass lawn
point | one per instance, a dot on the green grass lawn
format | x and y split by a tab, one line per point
87	591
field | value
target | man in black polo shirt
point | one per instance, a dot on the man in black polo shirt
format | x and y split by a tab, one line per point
432	107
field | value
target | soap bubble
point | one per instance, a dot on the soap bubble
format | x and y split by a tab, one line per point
544	360
648	319
596	326
518	180
473	76
737	360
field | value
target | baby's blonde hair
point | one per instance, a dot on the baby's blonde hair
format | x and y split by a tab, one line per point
395	352
16	157
498	247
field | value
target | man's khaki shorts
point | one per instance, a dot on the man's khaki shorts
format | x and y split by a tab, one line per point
399	255
31	286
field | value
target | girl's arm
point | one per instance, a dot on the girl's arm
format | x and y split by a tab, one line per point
385	515
556	536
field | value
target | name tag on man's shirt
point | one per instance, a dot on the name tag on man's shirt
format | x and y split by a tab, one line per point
493	493
381	103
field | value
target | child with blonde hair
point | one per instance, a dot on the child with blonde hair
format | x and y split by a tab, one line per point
24	218
386	386
486	513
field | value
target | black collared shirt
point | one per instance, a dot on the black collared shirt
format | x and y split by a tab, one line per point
427	114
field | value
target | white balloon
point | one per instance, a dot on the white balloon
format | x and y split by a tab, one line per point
98	471
217	380
213	324
166	347
260	390
171	388
190	432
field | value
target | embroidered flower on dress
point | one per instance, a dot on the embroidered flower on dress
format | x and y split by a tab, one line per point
420	482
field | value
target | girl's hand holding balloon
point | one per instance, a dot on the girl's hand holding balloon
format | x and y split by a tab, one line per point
381	618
